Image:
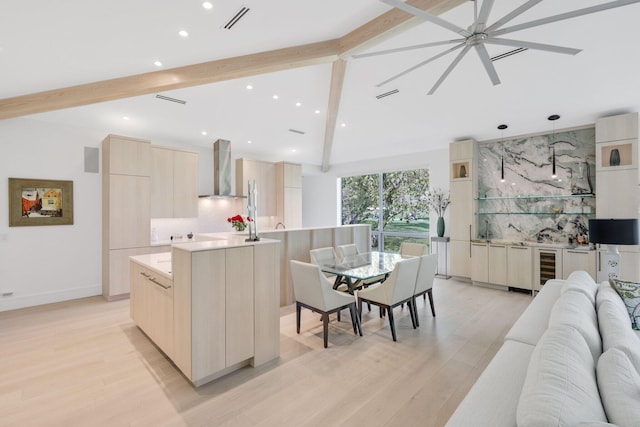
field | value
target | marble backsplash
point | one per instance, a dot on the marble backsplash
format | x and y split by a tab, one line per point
530	205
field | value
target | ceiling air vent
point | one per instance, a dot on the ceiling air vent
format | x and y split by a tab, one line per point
507	54
391	92
238	15
167	98
296	131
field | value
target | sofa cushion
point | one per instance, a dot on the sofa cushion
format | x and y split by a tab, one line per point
534	321
613	323
492	400
606	293
576	310
581	281
560	388
630	294
619	384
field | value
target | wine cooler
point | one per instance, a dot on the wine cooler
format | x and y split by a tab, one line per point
548	265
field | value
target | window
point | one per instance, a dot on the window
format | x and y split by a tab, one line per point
393	203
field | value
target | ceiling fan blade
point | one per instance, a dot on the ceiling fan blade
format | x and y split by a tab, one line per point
481	21
511	15
534	46
488	65
449	69
427	16
433	58
402	49
567	15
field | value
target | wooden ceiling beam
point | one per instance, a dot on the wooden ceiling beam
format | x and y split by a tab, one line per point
174	78
390	24
335	94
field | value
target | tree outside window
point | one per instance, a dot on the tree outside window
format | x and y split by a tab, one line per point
395	204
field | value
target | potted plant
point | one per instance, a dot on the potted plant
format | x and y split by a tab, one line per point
439	201
239	222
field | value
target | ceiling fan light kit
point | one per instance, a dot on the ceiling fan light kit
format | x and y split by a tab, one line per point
480	34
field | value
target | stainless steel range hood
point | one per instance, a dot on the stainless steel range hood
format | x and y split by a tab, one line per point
222	171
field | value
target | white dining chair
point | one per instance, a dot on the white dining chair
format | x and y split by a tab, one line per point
424	282
396	290
326	256
412	249
344	251
315	292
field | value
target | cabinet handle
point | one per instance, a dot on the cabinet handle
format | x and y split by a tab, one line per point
496	246
520	248
153	280
578	252
145	274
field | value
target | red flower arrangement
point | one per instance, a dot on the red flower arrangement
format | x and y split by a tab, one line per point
239	222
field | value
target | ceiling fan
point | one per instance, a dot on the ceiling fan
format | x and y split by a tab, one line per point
480	33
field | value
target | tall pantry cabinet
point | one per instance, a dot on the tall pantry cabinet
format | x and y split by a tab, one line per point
126	180
462	189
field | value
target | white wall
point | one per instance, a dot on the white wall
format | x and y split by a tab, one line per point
45	264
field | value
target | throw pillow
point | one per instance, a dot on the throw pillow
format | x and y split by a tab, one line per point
630	294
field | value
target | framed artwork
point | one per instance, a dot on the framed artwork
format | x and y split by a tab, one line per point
40	202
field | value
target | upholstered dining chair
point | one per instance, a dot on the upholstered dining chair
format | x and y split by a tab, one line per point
343	251
412	249
424	282
397	289
315	292
323	256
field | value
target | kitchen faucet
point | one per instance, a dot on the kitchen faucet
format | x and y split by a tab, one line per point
278	224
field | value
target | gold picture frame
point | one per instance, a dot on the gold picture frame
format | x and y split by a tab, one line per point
34	202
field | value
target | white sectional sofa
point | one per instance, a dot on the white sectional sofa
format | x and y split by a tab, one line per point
571	359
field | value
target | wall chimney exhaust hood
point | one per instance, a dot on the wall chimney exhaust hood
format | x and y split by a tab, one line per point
222	172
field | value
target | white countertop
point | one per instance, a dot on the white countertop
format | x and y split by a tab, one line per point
159	263
209	241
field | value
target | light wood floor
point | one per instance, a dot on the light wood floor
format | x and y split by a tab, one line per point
84	363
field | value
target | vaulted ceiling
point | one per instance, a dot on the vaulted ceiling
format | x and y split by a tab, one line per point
90	64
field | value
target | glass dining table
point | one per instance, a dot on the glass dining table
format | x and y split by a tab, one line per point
355	270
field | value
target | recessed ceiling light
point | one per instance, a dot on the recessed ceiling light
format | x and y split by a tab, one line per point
275	96
157	63
317	111
249	87
203	132
298	104
344	125
183	33
249	142
207	5
125	118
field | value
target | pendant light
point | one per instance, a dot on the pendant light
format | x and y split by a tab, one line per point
553	119
502	128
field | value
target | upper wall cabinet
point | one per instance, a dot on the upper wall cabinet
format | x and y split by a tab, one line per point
174	183
615	128
128	156
264	174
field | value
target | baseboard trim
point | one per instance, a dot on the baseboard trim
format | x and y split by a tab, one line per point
23	301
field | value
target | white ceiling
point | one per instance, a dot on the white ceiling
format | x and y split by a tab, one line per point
48	45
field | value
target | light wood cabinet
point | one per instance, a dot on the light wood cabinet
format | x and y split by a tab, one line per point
498	264
125	209
289	194
617	171
577	259
152	306
462	189
264	174
479	262
226	311
461	258
520	267
461	210
174	183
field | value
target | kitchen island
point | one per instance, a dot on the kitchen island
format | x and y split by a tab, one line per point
211	305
